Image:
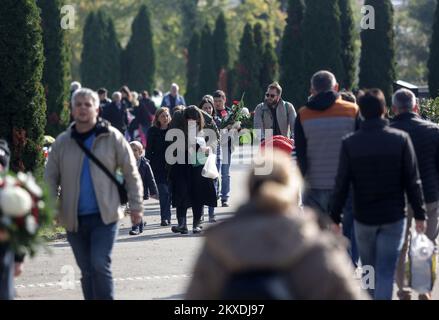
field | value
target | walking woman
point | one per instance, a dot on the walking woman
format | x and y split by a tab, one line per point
207	106
155	153
188	187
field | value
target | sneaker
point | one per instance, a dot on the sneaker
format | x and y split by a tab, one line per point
225	204
198	229
212	220
135	232
164	223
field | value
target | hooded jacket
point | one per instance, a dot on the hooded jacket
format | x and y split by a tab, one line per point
319	129
316	265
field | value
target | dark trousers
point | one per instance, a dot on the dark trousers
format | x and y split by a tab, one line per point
165	201
7	265
197	211
92	246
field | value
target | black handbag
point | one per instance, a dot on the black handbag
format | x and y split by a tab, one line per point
123	194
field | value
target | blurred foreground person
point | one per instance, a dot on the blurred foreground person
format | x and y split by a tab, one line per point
269	251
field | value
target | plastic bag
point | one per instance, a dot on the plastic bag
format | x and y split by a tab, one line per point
422	260
210	170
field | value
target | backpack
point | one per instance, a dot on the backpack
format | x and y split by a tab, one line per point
257	285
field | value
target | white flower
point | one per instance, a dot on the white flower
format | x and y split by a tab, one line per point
15	201
29	182
31	224
246	112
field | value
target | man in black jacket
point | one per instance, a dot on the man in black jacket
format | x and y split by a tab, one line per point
425	138
381	164
116	113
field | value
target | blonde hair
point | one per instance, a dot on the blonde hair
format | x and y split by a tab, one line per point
278	191
136	144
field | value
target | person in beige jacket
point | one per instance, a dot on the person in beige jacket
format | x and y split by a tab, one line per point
269	234
89	201
274	117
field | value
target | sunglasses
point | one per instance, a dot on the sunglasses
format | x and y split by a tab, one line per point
271	95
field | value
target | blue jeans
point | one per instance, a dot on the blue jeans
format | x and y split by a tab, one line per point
225	175
379	247
7	263
165	201
349	229
211	210
318	200
92	246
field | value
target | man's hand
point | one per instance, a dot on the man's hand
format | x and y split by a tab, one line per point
136	217
336	228
421	225
19	267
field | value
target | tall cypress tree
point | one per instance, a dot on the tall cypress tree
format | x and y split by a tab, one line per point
208	79
57	66
139	57
269	69
433	62
322	37
292	67
247	70
22	101
377	63
258	36
93	53
193	69
349	53
190	18
221	45
111	57
260	51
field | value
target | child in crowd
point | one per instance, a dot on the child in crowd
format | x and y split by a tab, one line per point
149	185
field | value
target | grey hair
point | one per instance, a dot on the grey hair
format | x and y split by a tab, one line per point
75	85
323	81
117	93
174	85
404	99
86	93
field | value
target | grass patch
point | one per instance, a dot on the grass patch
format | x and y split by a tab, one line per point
53	233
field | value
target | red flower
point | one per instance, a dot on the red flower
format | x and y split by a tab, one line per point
35	213
235	102
20	222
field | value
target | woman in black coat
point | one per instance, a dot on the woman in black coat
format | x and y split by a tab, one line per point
155	153
189	188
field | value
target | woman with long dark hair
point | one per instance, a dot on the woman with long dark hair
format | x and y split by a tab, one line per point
189	188
155	153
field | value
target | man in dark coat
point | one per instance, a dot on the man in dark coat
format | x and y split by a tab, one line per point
116	113
425	138
380	163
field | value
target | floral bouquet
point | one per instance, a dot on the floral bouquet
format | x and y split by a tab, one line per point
25	209
237	114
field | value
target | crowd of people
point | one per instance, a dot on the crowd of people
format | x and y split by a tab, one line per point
357	173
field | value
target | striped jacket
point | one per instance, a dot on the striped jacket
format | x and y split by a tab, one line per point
319	129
